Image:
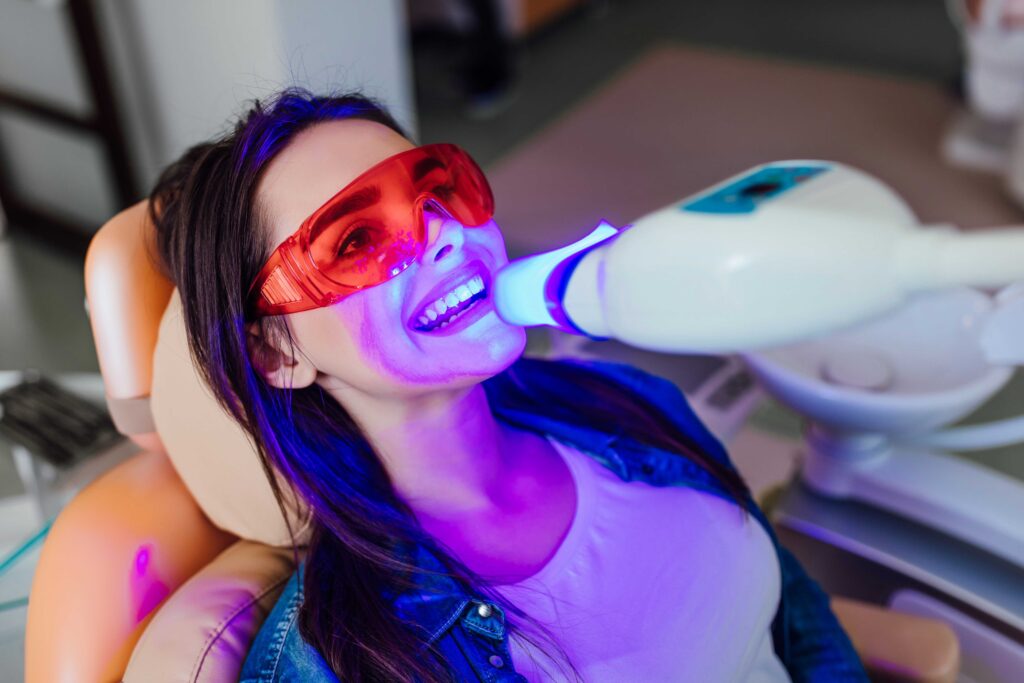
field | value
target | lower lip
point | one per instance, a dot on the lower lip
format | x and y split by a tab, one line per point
478	310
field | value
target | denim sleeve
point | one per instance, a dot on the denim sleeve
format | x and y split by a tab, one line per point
279	654
808	638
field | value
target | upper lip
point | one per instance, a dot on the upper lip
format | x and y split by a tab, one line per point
457	277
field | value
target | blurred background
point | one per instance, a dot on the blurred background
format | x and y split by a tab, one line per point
96	97
578	110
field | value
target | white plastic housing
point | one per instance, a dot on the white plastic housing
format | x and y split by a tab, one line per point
753	263
838	249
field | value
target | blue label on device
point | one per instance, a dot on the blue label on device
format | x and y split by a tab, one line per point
744	195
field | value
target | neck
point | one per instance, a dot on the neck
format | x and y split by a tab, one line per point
445	452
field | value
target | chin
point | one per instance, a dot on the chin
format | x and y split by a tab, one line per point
490	355
507	349
502	350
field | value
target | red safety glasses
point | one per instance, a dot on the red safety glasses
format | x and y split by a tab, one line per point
371	230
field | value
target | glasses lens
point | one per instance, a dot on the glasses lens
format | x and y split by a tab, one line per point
364	238
463	189
371	231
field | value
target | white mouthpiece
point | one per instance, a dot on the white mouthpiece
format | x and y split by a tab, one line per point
521	287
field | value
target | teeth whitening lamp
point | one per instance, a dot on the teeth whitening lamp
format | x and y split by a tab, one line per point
845	309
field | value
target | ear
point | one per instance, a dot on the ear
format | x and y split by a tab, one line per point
280	367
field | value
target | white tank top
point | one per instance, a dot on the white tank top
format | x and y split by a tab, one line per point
652	584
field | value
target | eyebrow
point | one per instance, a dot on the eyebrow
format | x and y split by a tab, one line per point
425	166
358	201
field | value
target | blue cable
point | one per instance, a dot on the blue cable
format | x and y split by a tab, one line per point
22	550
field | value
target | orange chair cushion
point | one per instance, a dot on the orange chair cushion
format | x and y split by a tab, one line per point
900	647
203	632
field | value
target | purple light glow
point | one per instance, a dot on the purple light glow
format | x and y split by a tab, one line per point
147	588
142	560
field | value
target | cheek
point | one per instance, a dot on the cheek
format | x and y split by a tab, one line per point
490	237
374	319
336	340
375	337
320	333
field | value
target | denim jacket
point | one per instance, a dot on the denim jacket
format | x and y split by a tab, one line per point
470	632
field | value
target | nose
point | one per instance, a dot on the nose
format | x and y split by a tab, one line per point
445	235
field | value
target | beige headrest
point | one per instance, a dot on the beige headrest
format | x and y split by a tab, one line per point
211	453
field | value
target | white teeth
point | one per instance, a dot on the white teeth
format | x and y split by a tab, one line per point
460	294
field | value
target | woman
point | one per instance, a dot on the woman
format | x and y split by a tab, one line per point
477	515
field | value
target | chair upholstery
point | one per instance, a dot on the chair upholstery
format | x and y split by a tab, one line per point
126	296
113	555
231	488
203	632
137	534
900	647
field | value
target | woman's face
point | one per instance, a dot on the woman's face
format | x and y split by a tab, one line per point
372	341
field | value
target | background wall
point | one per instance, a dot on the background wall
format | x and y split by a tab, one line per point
181	70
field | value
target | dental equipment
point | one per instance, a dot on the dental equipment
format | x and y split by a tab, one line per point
780	253
873	395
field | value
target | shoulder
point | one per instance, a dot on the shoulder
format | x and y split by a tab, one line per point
279	653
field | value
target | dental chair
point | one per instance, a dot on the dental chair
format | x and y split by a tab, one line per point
165	567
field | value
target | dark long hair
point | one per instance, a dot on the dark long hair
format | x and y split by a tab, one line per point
212	241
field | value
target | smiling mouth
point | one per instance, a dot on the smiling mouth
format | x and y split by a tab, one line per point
452	305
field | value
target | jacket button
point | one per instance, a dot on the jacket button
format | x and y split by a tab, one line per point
496	661
484	610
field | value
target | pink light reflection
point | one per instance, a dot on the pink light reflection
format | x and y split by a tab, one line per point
148	590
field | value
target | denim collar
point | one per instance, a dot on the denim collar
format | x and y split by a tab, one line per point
437	601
